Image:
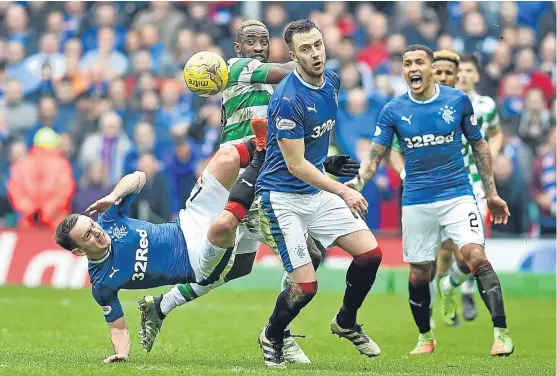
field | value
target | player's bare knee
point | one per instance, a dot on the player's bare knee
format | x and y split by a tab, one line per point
473	254
303	292
420	274
225	223
225	166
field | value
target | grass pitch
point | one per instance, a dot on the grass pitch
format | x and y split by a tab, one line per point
62	332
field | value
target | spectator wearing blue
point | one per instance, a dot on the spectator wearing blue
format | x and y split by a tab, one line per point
66	97
47	119
105	16
66	147
18	70
182	174
74	20
113	60
346	55
49	47
172	113
118	98
16	20
160	59
90	187
356	119
16	151
145	142
205	132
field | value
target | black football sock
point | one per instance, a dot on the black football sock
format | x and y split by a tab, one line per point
490	291
419	304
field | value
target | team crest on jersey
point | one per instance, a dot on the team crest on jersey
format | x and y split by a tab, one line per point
473	120
117	232
447	113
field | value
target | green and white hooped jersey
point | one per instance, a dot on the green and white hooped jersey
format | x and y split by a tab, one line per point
246	96
485	111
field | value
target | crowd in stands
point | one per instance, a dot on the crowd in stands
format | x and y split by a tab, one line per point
90	91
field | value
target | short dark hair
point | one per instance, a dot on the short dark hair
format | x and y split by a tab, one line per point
469	58
63	230
240	33
297	27
419	47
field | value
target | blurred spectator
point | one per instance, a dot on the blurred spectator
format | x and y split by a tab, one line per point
145	142
525	37
475	37
17	150
511	188
279	51
16	21
199	15
181	174
142	63
48	112
166	19
91	187
345	52
426	30
355	111
112	60
118	97
544	189
153	202
392	69
110	145
171	113
546	24
535	121
375	52
48	55
66	147
41	197
530	76
66	96
547	52
160	58
55	26
275	19
20	115
498	66
74	20
17	69
513	102
105	18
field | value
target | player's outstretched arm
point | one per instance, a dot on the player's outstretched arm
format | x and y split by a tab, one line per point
131	183
369	167
120	338
278	71
497	205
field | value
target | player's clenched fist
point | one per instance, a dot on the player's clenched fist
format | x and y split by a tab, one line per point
355	201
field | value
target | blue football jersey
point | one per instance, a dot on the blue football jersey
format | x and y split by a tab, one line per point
142	255
297	110
430	135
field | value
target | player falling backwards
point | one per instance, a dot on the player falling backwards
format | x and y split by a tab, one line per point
127	253
437	191
245	97
297	198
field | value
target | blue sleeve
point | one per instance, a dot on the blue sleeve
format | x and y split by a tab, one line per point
469	124
118	209
108	300
289	119
385	128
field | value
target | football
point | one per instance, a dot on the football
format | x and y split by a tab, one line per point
206	73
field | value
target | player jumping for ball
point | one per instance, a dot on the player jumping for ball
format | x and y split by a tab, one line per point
429	121
246	96
297	198
127	253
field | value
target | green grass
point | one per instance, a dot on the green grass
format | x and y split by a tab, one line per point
62	332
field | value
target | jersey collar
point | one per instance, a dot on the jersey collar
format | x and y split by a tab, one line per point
307	84
434	97
103	259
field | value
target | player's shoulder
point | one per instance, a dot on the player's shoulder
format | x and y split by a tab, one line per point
333	76
447	92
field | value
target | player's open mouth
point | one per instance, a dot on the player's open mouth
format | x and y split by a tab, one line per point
317	64
416	81
259	57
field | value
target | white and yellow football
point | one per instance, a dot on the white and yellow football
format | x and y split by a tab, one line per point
206	73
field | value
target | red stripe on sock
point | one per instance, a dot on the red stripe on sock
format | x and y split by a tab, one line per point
244	155
483	264
237	209
375	255
307	287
